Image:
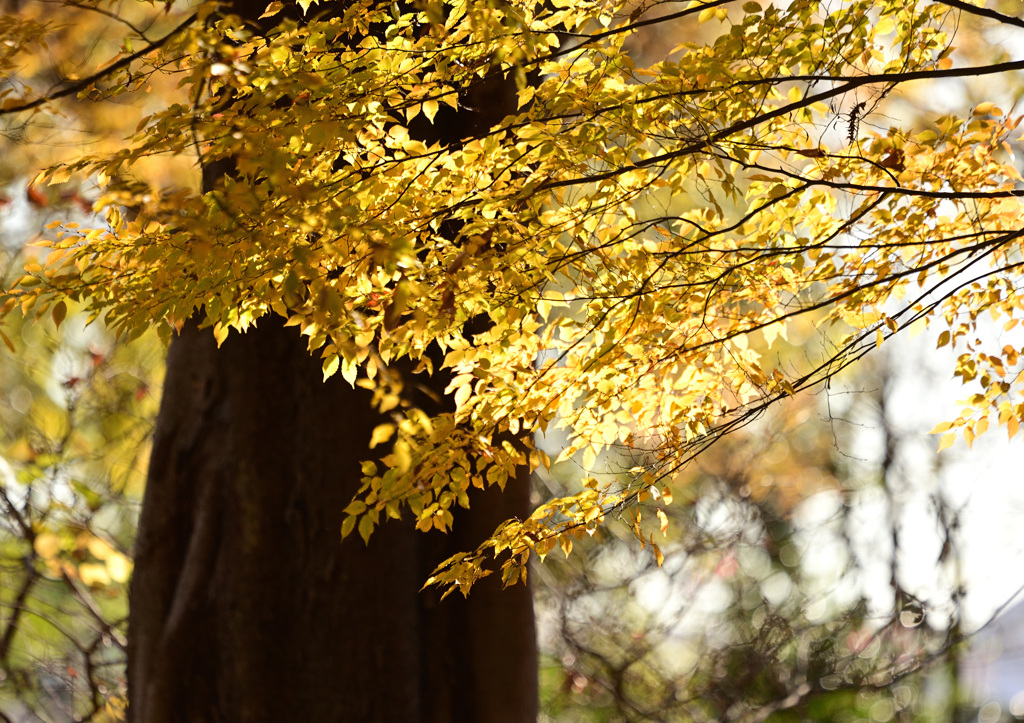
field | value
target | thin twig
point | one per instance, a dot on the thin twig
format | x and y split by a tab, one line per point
98	75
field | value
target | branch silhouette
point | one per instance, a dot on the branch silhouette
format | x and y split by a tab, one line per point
89	80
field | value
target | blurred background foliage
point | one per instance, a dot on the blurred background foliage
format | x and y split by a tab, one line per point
77	406
76	411
770	605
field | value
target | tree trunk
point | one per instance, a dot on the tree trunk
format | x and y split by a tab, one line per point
245	605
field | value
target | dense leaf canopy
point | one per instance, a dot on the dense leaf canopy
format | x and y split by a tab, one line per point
614	261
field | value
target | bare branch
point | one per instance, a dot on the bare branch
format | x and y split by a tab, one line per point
983	12
114	67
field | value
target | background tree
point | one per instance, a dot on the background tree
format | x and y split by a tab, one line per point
77	411
776	602
595	254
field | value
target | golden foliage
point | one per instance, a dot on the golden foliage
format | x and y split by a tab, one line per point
635	236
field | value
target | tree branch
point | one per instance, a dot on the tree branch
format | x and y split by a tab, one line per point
86	82
849	84
983	12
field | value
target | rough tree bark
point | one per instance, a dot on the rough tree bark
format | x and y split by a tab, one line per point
245	605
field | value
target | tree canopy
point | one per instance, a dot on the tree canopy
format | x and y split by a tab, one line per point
613	262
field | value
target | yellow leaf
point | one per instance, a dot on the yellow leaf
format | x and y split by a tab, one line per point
330	366
381	433
589	458
414	148
885	25
430	109
462	395
773	331
349	370
566	453
60	311
946	441
510	575
272	9
58	176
